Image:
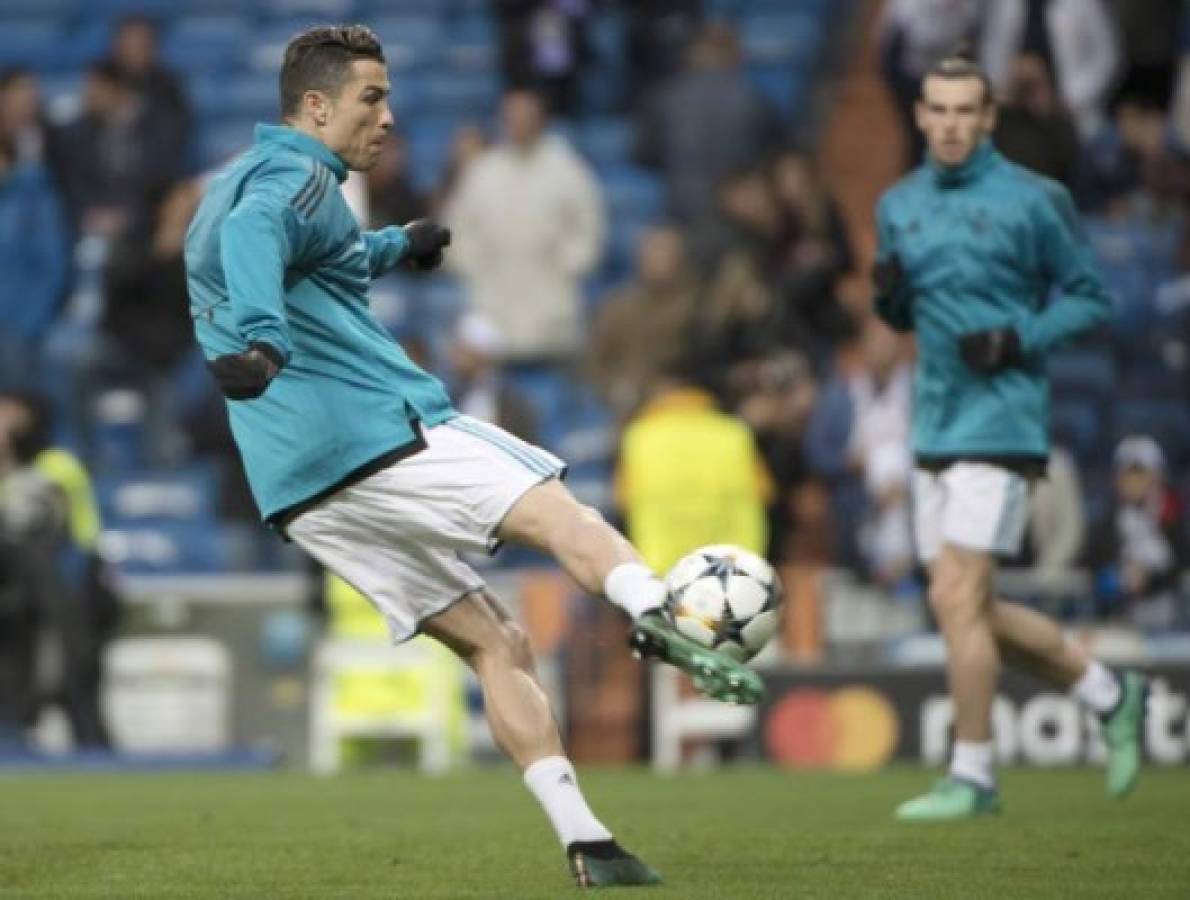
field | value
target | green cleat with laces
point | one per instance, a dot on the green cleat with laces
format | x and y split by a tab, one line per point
949	800
714	674
1123	733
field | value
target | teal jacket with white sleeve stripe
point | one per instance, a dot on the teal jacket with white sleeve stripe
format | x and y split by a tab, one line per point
987	244
274	255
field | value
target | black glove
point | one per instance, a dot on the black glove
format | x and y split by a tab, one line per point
426	241
244	376
888	275
991	351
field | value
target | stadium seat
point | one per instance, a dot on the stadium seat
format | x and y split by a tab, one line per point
220	140
1078	424
327	10
632	193
48	9
252	95
187	495
409	40
463	93
207	42
169	548
790	38
30	42
781	85
605	141
1090	370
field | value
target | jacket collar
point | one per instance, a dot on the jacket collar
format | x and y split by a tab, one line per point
302	143
971	169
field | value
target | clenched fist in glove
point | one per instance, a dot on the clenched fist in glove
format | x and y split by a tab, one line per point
244	376
427	239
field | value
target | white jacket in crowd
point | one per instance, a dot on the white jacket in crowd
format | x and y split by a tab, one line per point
527	228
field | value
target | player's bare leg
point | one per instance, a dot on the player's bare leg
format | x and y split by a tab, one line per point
961	598
1035	643
602	561
479	630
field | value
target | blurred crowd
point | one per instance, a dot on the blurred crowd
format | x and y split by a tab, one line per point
752	397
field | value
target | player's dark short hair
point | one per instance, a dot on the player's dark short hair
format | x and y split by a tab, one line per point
956	65
319	59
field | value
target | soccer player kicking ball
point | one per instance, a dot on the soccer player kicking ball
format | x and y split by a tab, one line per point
985	261
356	454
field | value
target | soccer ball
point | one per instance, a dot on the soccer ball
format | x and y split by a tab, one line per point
725	598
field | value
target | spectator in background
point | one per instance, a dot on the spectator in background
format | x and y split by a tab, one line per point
1151	35
393	199
774	394
49	510
1139	550
814	252
477	388
34	259
145	327
467	144
1032	128
134	53
700	126
675	500
118	161
658	33
858	441
643	329
542	48
528	226
24	124
1076	39
913	34
1057	520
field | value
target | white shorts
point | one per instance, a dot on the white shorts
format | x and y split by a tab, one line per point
973	505
396	535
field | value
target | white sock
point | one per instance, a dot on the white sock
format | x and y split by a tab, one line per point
554	784
1098	688
635	588
972	761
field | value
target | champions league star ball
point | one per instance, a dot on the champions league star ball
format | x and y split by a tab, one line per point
725	598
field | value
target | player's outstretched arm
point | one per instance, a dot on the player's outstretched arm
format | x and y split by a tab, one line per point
421	243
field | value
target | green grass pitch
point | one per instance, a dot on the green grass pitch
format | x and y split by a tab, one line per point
747	832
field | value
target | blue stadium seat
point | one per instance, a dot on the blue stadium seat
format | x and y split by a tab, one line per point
175	548
632	193
470	93
790	38
48	9
606	141
409	40
1078	425
220	140
208	43
780	84
31	42
252	95
326	10
139	500
1087	371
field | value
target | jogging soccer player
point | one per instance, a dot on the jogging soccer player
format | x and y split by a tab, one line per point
985	261
356	454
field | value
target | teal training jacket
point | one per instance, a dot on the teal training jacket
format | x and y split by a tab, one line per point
985	245
275	255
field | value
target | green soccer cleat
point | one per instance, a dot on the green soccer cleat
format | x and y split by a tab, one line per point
949	800
715	674
1123	733
596	864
